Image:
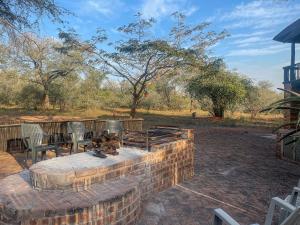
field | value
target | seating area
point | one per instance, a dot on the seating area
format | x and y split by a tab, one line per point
41	140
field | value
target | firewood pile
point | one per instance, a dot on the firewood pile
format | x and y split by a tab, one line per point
106	143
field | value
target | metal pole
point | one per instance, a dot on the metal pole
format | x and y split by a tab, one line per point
293	54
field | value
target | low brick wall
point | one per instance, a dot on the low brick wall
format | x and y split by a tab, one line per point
89	189
117	202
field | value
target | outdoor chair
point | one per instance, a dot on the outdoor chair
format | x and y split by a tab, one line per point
78	136
293	199
221	217
115	127
289	211
33	137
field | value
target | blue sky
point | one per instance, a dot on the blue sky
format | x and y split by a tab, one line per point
251	24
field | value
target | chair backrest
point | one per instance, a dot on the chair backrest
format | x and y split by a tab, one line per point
32	134
114	126
77	129
293	219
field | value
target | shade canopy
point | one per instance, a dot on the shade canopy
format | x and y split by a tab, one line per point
290	34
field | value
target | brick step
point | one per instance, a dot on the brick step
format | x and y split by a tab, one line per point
113	202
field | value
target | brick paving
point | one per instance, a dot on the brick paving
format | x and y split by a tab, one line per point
235	169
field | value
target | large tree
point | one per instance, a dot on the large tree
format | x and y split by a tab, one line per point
223	88
140	58
41	62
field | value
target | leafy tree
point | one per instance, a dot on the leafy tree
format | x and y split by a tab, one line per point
30	97
258	96
90	88
140	58
10	86
41	62
166	88
223	88
16	15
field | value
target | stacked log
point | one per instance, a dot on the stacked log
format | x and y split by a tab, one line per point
107	143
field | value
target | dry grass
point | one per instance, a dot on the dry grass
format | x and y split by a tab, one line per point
152	117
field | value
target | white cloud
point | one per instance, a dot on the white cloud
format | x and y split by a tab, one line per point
161	8
258	51
190	10
262	14
106	8
251	34
255	23
250	40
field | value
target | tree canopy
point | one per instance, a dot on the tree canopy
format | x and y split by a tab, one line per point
140	58
222	87
20	14
40	62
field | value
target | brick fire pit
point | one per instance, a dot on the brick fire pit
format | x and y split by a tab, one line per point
83	189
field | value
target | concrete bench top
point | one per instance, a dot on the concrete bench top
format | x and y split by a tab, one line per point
62	172
87	160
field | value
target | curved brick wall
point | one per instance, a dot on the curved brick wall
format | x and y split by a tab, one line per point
103	193
117	202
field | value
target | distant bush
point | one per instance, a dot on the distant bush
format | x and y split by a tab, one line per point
30	97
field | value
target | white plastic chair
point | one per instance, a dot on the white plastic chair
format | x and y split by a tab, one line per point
32	136
77	131
220	216
293	199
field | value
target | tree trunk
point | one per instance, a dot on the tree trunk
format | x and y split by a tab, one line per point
218	111
134	105
46	101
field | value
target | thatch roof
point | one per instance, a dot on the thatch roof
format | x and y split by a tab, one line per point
289	34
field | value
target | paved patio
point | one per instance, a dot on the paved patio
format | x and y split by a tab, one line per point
236	170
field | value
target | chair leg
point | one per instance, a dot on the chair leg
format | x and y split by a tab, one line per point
217	221
57	151
44	155
27	153
33	156
71	148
